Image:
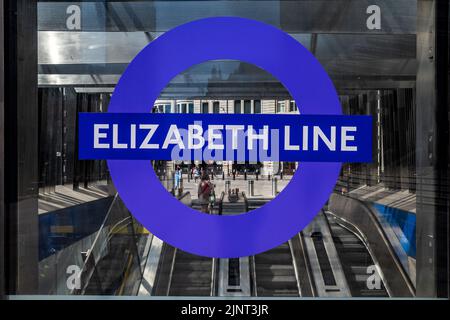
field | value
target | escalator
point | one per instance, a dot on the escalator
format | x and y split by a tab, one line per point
111	271
356	262
192	275
284	271
360	219
275	273
323	260
112	263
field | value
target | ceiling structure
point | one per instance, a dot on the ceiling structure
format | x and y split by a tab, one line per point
93	56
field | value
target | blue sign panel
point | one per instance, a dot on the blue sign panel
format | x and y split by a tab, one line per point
248	137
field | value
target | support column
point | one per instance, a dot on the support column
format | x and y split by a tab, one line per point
21	146
432	140
2	155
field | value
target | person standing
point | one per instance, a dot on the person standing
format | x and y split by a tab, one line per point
205	189
196	174
177	177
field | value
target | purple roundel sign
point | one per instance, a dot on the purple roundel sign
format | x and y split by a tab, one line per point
236	39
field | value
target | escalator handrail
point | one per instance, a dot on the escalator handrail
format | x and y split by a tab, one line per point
94	243
214	278
294	264
360	235
185	194
381	231
172	268
253	275
307	265
391	249
117	228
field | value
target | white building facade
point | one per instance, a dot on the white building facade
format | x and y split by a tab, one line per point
244	106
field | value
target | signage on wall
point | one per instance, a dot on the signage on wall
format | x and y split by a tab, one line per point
128	136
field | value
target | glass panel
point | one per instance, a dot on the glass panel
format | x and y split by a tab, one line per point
383	231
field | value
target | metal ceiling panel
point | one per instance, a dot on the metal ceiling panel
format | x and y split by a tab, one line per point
56	47
317	16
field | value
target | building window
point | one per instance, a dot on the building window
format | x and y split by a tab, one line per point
191	107
216	107
292	106
281	106
257	106
205	107
167	108
159	108
247	106
183	108
237	106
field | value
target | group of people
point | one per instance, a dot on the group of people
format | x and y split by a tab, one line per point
199	172
205	191
196	173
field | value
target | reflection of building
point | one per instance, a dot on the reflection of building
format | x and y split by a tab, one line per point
247	106
49	220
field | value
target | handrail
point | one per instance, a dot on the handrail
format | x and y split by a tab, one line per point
296	271
307	265
94	243
358	233
172	268
214	271
184	195
90	262
386	241
161	285
321	231
119	227
253	275
302	266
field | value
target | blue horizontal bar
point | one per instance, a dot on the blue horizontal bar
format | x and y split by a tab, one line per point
218	137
